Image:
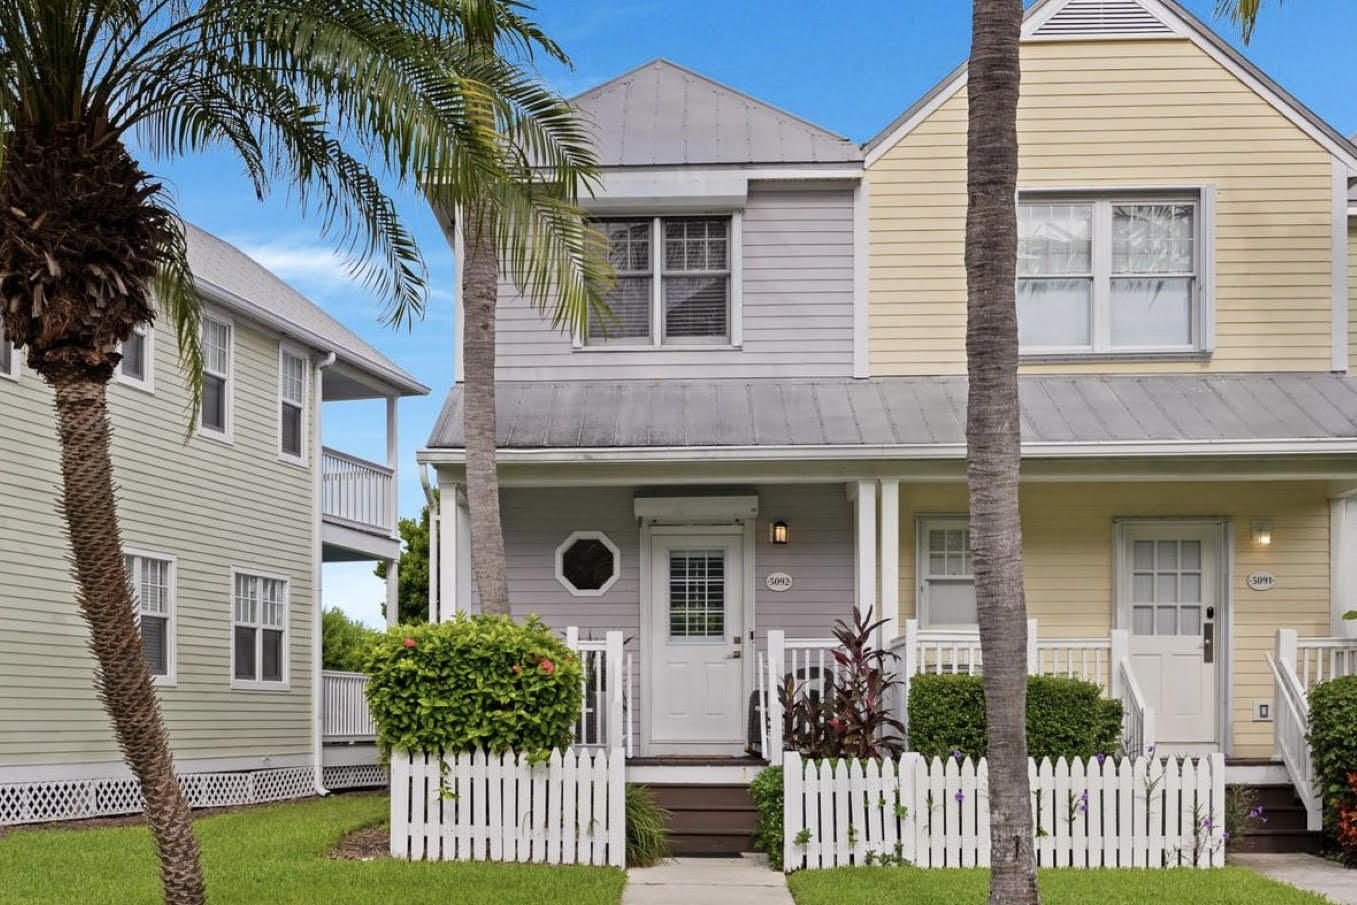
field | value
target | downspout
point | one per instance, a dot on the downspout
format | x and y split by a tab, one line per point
435	518
317	691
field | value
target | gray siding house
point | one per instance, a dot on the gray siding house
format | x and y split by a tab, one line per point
225	529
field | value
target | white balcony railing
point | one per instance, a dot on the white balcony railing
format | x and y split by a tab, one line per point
356	491
1321	659
344	712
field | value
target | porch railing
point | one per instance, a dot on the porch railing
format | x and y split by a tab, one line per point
1138	719
1291	725
809	664
606	706
344	712
1321	659
356	491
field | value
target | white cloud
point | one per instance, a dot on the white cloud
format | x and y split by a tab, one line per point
297	260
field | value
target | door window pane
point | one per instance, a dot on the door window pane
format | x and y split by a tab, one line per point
1190	620
1143	555
697	593
1166	588
951	603
1142	620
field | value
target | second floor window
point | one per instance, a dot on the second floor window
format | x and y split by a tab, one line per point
152	580
9	357
215	417
673	282
136	351
291	405
259	630
1109	275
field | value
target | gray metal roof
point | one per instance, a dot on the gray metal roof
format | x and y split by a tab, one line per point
663	114
228	276
1220	44
910	411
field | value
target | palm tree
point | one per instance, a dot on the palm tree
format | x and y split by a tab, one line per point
992	436
305	93
1243	13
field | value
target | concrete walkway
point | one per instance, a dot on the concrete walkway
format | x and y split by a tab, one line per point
707	881
1305	872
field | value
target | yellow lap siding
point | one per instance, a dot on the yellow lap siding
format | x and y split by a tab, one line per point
1116	113
1068	556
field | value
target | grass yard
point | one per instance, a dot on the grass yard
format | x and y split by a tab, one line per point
892	886
277	855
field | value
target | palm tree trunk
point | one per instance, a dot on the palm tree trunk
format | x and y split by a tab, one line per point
993	438
105	597
480	291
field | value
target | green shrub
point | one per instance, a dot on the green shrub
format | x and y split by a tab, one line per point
766	790
480	681
1333	740
1065	717
345	643
647	828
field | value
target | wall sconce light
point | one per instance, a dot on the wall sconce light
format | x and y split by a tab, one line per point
777	533
1262	532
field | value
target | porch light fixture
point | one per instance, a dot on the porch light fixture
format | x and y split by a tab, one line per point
777	533
1262	532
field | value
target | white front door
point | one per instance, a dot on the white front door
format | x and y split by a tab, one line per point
1171	601
697	628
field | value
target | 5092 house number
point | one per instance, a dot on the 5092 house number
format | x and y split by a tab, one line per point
778	581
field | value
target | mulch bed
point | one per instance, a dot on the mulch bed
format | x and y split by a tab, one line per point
365	844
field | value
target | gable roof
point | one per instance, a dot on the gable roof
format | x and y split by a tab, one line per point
1127	19
231	278
661	113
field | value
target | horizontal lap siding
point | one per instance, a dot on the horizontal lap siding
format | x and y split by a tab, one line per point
1068	544
1116	113
797	300
211	506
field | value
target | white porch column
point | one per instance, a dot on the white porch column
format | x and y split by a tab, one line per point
393	594
393	463
454	552
864	585
890	559
1342	565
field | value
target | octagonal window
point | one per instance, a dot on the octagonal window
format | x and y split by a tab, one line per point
587	563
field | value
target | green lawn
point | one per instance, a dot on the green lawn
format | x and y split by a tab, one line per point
893	886
276	856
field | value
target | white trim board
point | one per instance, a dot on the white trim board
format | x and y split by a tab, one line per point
1339	265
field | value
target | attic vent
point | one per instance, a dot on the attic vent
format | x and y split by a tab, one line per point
1102	18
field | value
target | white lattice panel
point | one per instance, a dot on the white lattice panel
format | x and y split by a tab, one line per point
356	776
277	785
217	790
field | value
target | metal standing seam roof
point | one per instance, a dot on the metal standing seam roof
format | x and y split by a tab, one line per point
662	114
910	411
234	279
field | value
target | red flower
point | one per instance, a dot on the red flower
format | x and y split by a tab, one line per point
409	642
547	666
518	669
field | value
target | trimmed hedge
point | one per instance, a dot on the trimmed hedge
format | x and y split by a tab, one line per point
476	682
1065	717
1333	741
767	792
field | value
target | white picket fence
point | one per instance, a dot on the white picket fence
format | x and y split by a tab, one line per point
1146	812
474	807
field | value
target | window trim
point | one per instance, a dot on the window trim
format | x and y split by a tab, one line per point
302	458
171	677
734	339
922	525
12	372
1202	198
227	435
146	383
285	684
558	563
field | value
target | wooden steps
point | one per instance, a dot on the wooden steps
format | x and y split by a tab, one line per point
1285	829
708	819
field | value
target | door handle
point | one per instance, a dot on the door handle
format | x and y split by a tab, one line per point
1208	642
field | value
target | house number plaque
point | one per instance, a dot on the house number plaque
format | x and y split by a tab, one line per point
778	581
1261	581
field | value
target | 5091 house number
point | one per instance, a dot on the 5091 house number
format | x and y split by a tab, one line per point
1261	581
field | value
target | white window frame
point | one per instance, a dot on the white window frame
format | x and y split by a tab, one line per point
734	312
12	372
559	563
147	381
171	677
1102	200
226	435
288	350
257	684
922	525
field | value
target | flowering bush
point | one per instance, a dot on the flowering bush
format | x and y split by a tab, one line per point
1333	742
475	682
1345	823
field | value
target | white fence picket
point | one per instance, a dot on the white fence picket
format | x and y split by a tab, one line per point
1146	812
500	807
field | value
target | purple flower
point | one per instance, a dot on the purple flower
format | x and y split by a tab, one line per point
1225	835
960	796
1255	812
1150	750
1207	823
1100	757
1082	807
957	754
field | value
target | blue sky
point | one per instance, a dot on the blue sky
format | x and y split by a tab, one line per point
851	69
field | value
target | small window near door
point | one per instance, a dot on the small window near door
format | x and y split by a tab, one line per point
588	563
1166	587
697	594
946	576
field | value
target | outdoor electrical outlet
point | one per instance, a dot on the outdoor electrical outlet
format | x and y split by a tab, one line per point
1262	711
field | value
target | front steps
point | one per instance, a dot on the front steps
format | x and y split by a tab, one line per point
1285	828
708	818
